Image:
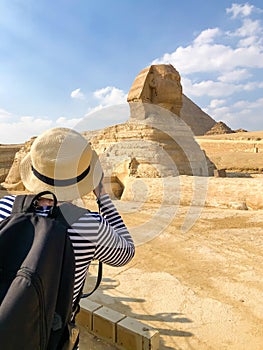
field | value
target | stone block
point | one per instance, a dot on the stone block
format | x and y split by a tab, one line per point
135	335
105	323
85	316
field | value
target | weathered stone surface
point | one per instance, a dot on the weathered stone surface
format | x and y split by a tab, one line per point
159	146
234	193
159	85
237	152
13	180
7	155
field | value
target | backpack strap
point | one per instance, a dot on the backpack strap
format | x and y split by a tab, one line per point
76	307
25	203
22	203
67	213
97	283
71	213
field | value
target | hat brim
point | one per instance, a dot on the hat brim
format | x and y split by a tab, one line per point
65	193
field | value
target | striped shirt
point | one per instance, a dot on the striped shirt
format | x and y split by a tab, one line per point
94	236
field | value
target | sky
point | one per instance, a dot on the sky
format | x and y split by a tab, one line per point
65	61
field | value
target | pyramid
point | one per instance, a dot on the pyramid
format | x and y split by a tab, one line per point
219	128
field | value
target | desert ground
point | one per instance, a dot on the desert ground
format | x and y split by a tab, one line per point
202	289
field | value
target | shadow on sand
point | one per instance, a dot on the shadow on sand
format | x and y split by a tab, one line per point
163	319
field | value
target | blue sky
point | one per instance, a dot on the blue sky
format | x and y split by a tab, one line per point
65	60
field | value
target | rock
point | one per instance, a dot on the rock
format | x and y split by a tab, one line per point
161	85
157	147
234	152
192	191
7	155
240	130
237	205
13	180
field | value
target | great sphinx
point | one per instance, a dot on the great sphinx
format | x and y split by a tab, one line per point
154	142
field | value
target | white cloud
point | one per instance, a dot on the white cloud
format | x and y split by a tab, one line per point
220	89
210	88
67	123
248	28
77	94
258	104
198	58
242	113
213	57
240	10
234	76
250	34
110	95
216	103
246	42
211	50
207	36
221	66
113	108
4	114
101	117
20	129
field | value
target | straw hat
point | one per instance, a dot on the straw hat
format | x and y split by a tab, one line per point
62	161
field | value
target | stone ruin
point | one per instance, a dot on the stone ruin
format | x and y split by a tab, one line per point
13	180
154	142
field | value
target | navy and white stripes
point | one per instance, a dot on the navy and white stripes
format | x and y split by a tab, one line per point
102	237
6	205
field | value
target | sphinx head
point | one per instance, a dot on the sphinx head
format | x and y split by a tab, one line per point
159	85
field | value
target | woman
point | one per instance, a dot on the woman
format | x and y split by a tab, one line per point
61	161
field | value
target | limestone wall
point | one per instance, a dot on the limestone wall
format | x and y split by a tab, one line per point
13	181
236	193
141	150
238	155
7	155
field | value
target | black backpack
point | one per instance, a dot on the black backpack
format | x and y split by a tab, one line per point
37	277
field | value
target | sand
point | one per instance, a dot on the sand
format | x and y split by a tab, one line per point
202	289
